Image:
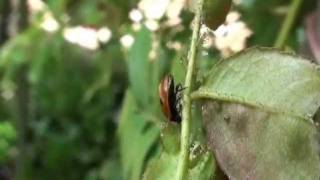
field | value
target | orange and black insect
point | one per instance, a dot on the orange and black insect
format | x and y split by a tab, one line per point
170	98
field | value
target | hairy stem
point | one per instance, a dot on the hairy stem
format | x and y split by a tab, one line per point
287	24
186	111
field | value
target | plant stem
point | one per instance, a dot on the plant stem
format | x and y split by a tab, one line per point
287	24
186	111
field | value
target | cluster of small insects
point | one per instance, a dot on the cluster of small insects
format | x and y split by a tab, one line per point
170	98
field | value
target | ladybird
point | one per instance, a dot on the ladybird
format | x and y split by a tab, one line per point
170	98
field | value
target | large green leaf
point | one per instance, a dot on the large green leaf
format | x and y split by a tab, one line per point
258	108
139	66
269	79
136	137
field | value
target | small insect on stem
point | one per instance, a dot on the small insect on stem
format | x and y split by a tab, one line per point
170	98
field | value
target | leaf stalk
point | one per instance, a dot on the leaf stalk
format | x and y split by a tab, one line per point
287	24
186	110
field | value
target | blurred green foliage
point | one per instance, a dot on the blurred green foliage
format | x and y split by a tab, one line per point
95	114
73	102
8	138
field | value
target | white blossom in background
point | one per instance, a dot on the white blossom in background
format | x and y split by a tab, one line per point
154	49
173	12
154	9
127	41
152	25
136	26
176	45
82	36
150	13
49	24
104	34
231	37
8	90
36	5
237	2
232	16
86	37
89	38
135	15
7	94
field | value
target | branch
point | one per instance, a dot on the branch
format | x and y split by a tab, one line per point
186	111
287	24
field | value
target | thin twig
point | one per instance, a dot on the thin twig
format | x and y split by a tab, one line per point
287	24
186	111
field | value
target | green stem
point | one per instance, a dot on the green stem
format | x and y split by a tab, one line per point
287	24
186	111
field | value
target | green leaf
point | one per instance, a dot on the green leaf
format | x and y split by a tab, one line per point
111	168
7	131
251	143
205	167
178	69
268	79
170	137
57	6
7	139
19	51
139	66
165	167
159	67
136	137
162	168
257	112
201	162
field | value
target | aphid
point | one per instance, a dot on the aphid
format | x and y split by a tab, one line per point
170	98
